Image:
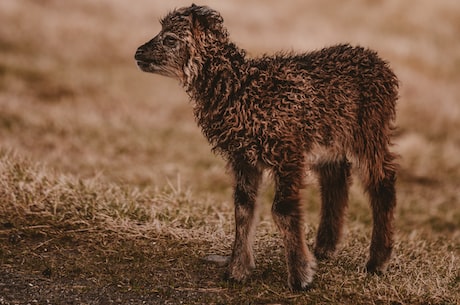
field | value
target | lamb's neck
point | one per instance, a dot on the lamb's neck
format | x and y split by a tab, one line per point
219	76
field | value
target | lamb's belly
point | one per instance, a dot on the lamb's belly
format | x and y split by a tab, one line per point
320	154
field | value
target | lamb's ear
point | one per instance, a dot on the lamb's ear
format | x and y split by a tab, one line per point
209	21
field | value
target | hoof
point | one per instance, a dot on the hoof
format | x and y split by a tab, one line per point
298	287
301	279
238	273
374	268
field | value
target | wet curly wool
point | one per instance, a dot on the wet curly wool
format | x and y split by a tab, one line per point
269	108
324	110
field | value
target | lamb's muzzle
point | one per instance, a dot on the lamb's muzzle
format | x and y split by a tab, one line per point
143	59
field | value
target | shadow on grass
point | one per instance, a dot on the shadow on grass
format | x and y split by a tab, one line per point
92	266
99	266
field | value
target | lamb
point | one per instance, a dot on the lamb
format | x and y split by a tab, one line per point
323	111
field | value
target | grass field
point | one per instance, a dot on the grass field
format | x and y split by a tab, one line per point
109	193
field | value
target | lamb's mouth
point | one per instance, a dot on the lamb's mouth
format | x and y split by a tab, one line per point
147	66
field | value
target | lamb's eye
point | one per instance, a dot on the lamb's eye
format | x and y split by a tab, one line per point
169	41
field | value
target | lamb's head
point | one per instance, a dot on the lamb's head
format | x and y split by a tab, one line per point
178	50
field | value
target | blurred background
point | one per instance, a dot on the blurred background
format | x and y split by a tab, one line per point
72	97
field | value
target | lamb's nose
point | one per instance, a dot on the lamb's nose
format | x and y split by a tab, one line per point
139	54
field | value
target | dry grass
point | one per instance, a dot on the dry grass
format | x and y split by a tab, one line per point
59	230
109	193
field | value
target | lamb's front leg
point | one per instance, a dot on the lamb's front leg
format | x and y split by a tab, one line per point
247	180
288	217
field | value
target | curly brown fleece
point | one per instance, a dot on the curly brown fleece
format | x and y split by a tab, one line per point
323	110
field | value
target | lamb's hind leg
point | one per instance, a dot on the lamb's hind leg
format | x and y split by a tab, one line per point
334	180
382	193
287	214
247	180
